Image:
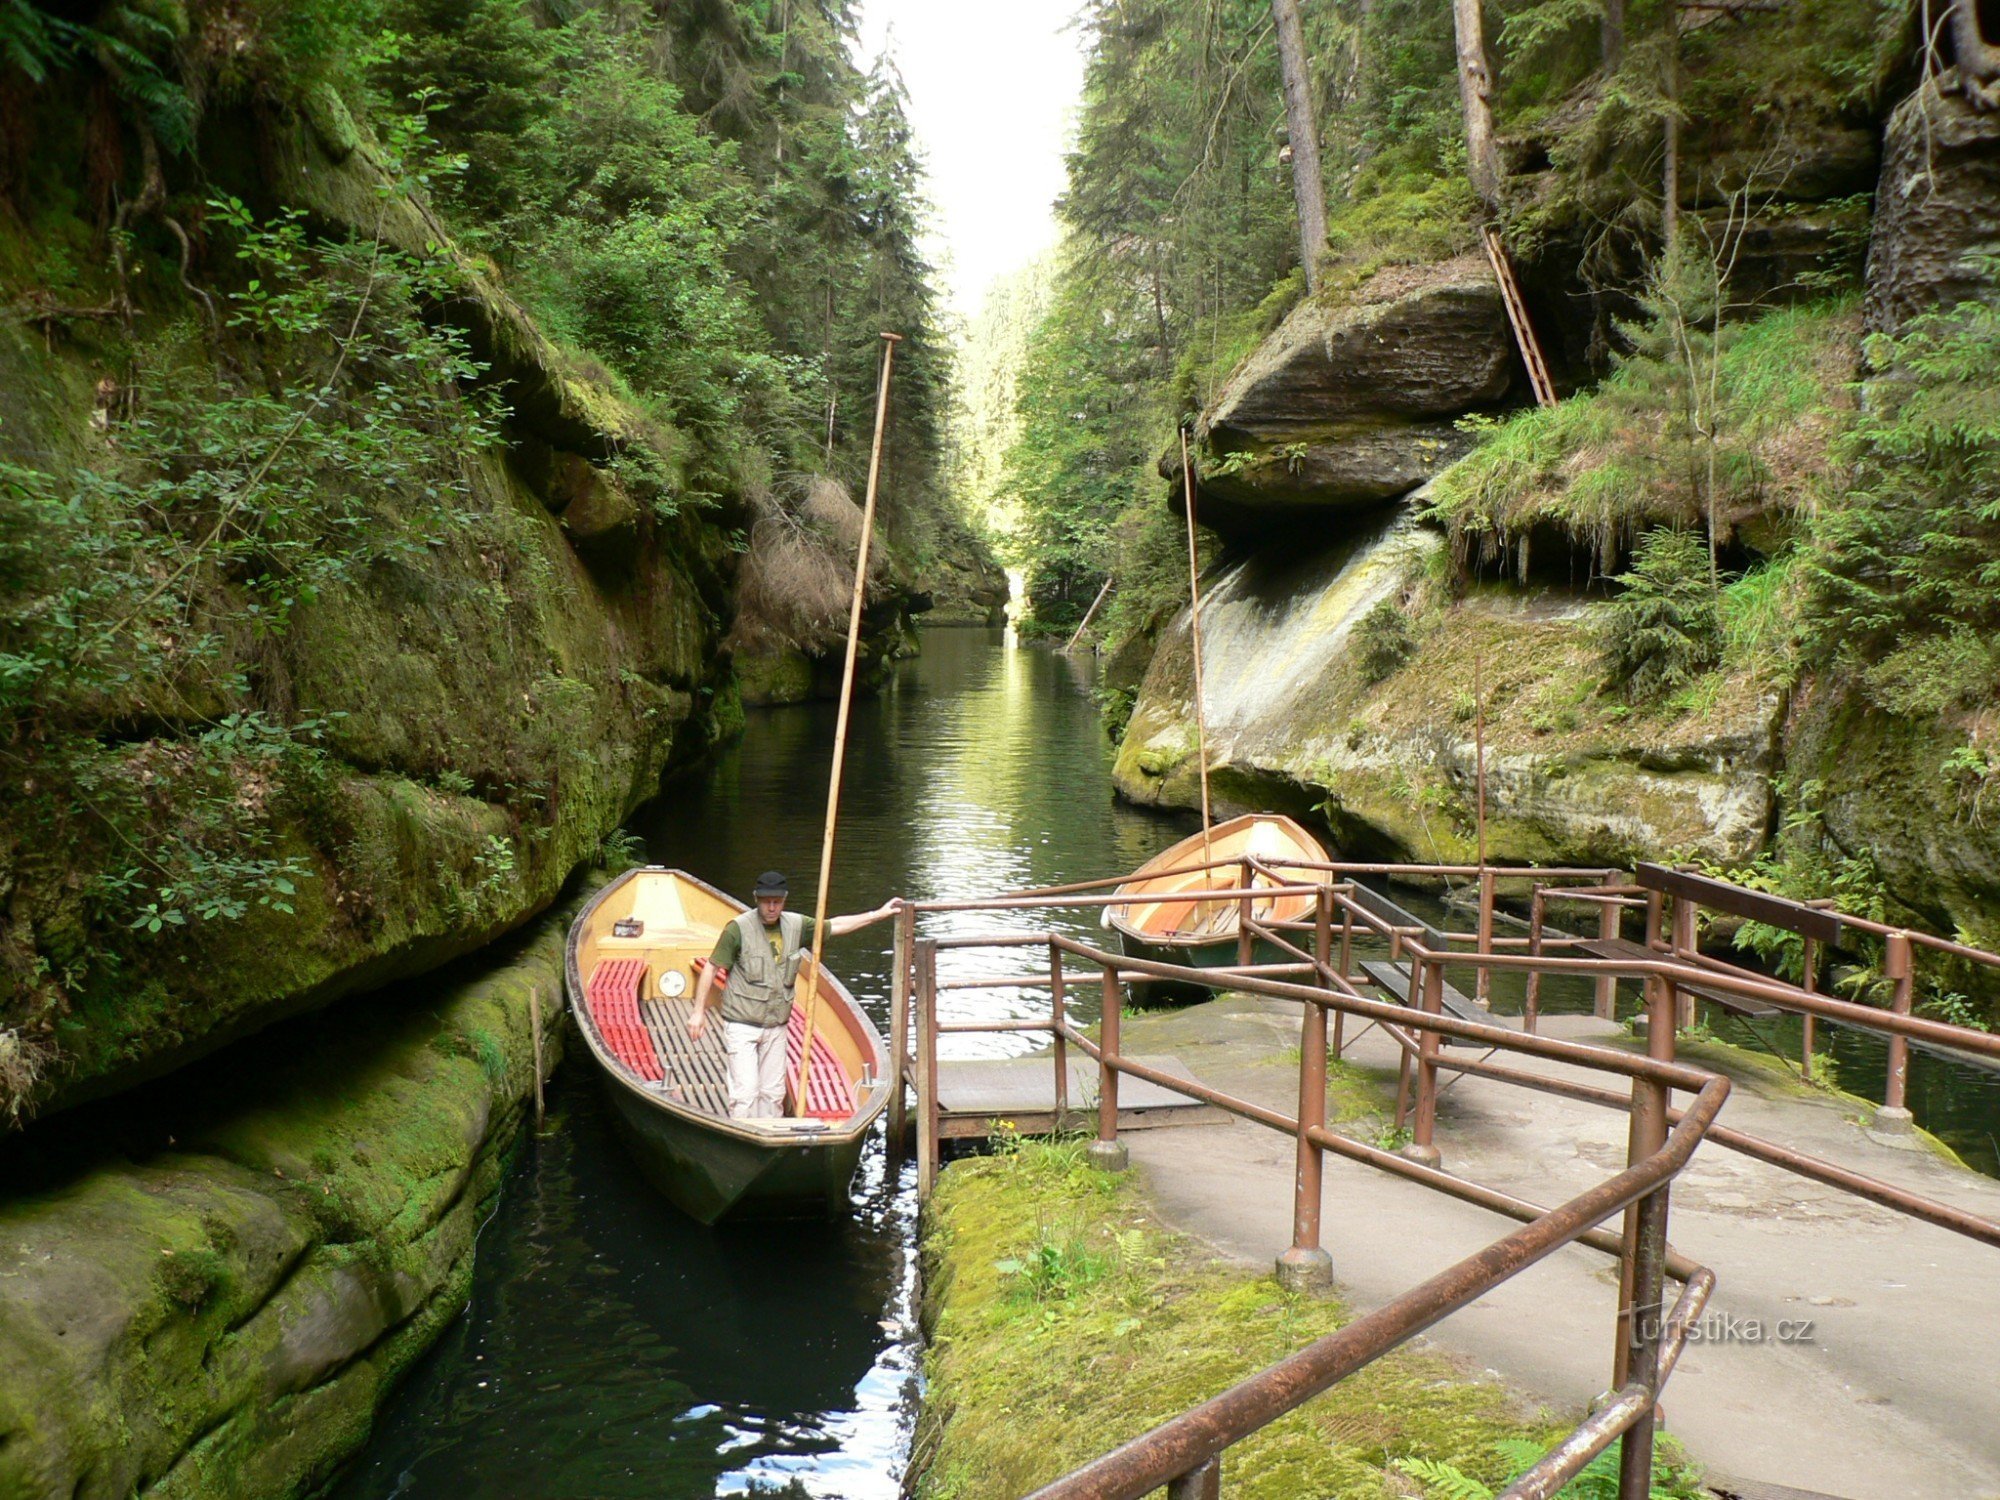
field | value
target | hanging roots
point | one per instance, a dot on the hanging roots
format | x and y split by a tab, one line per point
798	578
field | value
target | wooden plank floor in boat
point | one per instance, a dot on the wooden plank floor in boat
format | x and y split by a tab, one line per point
698	1067
973	1092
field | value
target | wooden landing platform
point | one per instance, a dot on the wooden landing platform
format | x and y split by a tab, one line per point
975	1092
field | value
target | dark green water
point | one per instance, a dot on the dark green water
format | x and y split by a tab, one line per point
613	1348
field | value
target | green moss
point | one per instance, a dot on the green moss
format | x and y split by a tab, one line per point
1025	1384
220	1318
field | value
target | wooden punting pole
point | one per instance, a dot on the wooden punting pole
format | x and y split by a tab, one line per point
889	343
1194	638
1089	615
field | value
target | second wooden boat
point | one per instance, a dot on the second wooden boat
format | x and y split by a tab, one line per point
1166	921
633	961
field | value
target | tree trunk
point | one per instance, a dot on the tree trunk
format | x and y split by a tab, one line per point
1670	170
1978	59
1612	33
1308	186
1475	91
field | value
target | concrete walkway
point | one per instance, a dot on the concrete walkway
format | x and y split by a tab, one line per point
1893	1393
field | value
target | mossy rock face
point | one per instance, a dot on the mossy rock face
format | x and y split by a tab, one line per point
1350	402
1887	797
220	1313
490	705
778	676
1573	774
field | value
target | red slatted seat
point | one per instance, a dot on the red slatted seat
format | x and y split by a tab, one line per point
612	992
832	1094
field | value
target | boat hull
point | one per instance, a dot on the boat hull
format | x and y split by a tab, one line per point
711	1167
716	1178
1158	922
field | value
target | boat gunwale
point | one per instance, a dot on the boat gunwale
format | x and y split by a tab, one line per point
857	1125
1125	928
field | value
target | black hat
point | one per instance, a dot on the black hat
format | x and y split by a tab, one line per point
772	883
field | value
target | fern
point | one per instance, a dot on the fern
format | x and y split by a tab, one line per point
1444	1481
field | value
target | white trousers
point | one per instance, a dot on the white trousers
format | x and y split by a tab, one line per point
756	1069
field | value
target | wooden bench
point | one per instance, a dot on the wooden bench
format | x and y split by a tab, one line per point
1394	981
1379	905
1618	950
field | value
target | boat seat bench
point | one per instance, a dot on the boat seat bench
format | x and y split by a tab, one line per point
702	1074
612	994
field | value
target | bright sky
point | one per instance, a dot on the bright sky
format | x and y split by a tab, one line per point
993	89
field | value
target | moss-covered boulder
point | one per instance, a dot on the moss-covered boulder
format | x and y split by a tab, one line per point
1884	789
216	1304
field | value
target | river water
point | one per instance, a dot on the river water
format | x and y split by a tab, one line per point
613	1348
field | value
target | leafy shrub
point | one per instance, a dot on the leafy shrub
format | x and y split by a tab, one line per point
1383	641
1665	629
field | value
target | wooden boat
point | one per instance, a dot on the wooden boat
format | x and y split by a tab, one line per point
1165	924
634	957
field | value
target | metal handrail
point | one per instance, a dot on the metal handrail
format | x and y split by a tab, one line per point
1185	1451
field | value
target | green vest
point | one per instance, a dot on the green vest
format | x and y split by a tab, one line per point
759	992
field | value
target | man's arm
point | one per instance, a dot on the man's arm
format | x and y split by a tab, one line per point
698	1017
855	921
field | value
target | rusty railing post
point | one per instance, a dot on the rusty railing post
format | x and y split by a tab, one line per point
1809	982
1635	1460
1427	983
1531	1007
1604	1000
1305	1266
1894	1117
1246	945
1203	1483
1059	1018
899	1028
1347	940
927	1092
1482	988
1646	1134
1685	912
1107	1152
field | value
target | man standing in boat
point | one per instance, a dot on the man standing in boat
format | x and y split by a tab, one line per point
761	951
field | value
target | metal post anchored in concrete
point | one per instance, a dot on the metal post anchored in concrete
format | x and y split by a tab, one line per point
1306	1266
1107	1151
1893	1118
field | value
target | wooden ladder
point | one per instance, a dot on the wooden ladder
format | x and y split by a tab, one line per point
1517	315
